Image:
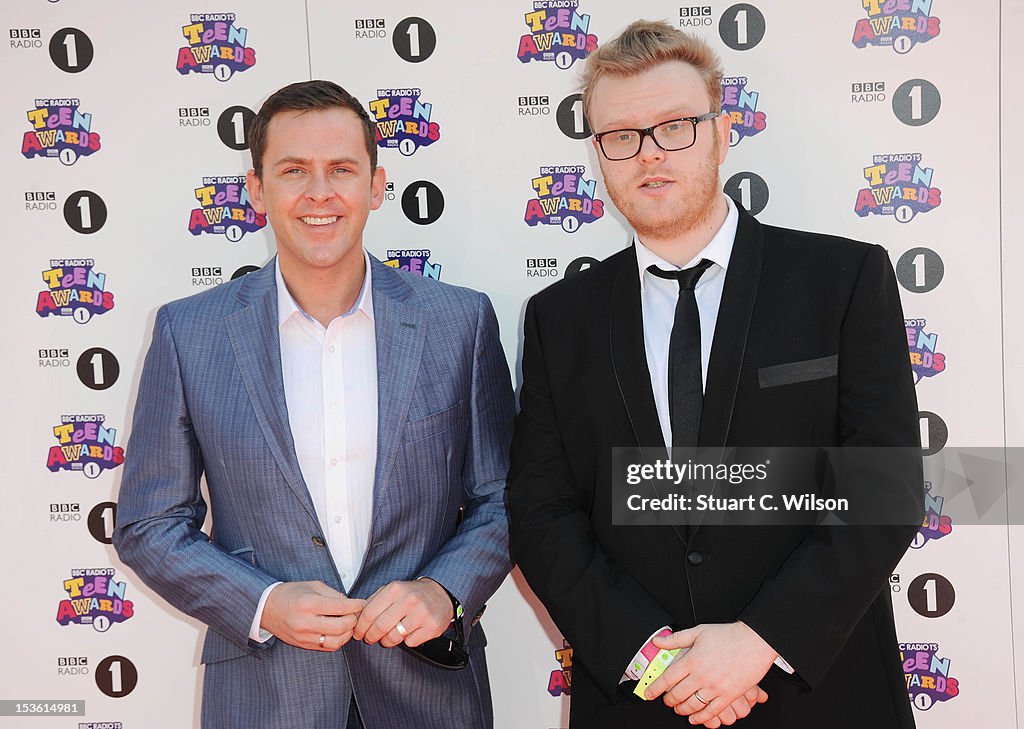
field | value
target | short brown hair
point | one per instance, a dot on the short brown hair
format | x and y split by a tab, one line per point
645	44
307	96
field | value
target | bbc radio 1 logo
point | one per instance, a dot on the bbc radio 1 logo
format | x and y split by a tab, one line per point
558	33
59	130
84	445
925	359
560	679
563	197
74	288
224	209
94	598
414	261
215	45
740	104
927	675
70	49
901	24
935	525
403	121
898	185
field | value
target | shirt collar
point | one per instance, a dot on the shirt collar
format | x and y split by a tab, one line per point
287	306
719	250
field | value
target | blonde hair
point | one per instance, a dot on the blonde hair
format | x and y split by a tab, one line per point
648	43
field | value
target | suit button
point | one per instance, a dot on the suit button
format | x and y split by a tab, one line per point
695	558
318	541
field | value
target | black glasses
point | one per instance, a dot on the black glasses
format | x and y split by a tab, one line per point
444	651
671	136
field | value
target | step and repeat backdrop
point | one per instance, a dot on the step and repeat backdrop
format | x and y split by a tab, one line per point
123	129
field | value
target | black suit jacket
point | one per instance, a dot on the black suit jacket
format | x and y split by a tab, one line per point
817	595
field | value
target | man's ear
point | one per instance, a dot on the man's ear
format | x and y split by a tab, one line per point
255	187
378	182
723	128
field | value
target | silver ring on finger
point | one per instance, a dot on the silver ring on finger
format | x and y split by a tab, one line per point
696	695
402	630
323	638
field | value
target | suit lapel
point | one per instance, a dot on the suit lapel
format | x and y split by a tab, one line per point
729	346
629	356
730	342
253	331
401	331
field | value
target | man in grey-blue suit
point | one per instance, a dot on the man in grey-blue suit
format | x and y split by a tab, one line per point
353	424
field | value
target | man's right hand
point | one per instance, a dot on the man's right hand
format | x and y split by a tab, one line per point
299	613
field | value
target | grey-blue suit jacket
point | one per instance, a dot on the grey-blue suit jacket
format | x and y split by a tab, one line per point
211	400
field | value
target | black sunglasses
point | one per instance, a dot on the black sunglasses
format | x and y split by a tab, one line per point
444	651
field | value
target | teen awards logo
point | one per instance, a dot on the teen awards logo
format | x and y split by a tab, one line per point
935	524
741	106
59	130
925	359
898	185
83	444
901	24
215	45
224	209
927	675
403	121
560	681
564	197
94	598
74	289
557	32
417	261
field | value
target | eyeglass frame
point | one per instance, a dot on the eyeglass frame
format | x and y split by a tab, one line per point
649	132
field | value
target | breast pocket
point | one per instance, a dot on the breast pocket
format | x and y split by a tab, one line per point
790	373
425	426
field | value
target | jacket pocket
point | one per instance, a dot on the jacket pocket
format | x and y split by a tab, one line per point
803	371
217	648
434	423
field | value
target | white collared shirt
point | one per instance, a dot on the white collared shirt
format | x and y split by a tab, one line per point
330	385
658	297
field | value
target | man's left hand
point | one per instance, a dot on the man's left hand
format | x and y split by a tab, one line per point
722	662
405	612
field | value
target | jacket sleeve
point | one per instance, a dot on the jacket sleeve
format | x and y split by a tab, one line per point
474	562
602	611
161	508
808	609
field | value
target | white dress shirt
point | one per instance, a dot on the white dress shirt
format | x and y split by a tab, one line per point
330	385
658	297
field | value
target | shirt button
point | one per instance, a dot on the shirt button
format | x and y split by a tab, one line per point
331	349
334	406
334	461
337	520
695	558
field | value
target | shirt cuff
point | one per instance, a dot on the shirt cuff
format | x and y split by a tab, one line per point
257	633
784	665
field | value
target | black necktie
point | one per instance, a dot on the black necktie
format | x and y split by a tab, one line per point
685	391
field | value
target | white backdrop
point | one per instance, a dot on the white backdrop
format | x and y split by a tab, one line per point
822	98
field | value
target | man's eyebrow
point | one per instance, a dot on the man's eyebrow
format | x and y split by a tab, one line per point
305	162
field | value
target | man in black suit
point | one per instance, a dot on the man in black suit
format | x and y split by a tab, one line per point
711	330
